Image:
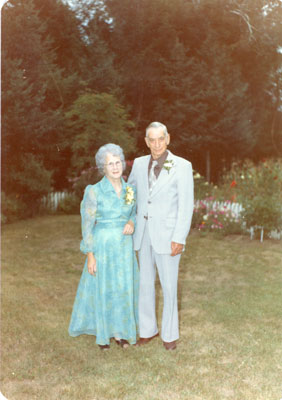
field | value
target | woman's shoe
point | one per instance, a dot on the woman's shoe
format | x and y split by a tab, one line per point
122	343
104	346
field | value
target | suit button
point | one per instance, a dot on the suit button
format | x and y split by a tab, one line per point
149	202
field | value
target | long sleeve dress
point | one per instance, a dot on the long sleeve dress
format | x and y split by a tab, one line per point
106	305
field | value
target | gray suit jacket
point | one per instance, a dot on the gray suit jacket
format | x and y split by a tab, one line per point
169	208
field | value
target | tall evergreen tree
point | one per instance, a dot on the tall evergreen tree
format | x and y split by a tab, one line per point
193	65
29	123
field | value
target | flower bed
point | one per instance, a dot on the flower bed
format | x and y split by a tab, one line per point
224	217
248	199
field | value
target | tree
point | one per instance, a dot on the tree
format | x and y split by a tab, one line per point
64	29
96	119
260	62
30	125
202	67
209	69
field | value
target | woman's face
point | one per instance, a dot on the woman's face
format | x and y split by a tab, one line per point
113	167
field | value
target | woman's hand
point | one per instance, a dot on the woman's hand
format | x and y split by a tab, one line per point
128	228
91	264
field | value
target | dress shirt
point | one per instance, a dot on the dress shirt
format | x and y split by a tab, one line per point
160	162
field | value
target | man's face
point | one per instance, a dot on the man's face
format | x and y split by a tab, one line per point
157	142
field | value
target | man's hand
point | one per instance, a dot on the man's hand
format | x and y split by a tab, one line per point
176	248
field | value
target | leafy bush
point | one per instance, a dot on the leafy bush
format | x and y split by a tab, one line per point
258	188
69	205
87	177
202	189
93	120
28	184
33	180
12	208
24	186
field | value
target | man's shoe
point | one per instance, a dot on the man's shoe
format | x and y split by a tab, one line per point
170	345
142	341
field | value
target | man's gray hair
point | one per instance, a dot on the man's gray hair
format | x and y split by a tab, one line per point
157	125
102	153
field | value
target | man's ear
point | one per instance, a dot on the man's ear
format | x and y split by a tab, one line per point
168	139
147	141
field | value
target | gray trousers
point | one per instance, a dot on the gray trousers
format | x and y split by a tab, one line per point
167	267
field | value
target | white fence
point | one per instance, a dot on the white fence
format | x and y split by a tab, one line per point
236	208
52	200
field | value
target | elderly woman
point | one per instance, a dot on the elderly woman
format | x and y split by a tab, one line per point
106	299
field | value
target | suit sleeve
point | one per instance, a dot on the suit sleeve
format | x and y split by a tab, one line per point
185	186
132	176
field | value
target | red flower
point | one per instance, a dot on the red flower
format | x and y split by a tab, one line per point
233	184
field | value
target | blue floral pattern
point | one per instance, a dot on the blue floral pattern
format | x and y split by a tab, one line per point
106	305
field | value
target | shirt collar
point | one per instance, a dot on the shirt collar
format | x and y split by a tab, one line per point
159	160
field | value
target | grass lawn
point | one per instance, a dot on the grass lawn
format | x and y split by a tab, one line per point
230	302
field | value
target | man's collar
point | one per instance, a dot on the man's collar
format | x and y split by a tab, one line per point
161	159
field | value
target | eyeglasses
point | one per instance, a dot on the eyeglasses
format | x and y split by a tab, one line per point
111	165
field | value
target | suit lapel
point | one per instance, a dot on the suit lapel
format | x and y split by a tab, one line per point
165	175
144	170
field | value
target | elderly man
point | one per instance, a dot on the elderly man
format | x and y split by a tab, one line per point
164	185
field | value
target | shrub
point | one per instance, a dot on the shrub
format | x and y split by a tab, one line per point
202	189
24	187
12	208
69	205
258	188
87	177
95	119
33	180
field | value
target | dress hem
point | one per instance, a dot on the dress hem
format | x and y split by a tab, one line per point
103	342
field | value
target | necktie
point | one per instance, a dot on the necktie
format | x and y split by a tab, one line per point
152	176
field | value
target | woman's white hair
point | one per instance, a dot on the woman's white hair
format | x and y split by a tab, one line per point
157	125
102	153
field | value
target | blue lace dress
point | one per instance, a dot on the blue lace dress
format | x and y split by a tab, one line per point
106	305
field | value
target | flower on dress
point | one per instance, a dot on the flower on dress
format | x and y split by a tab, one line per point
129	195
168	164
